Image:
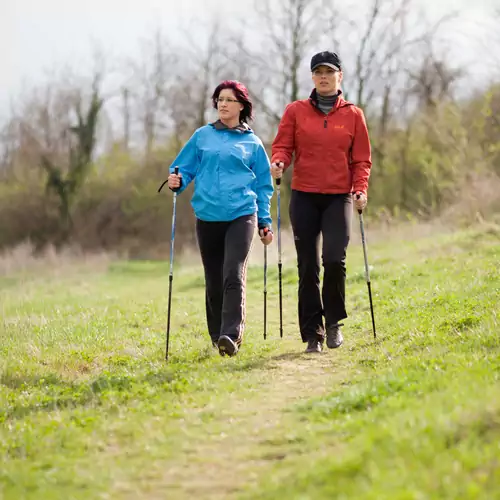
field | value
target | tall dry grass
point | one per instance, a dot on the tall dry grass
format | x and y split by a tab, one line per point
25	259
477	203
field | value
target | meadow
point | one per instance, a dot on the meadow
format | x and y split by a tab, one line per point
89	409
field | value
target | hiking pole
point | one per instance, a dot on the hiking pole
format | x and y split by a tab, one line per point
278	191
367	271
171	272
265	288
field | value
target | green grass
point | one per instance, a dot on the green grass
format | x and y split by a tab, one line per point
89	408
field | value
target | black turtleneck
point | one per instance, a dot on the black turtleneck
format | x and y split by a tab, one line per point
326	102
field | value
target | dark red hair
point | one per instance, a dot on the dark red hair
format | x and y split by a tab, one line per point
241	93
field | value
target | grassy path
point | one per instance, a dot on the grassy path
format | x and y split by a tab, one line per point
88	408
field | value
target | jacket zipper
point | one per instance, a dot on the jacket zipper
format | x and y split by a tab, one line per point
325	123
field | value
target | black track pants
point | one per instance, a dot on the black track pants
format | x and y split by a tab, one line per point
225	248
312	214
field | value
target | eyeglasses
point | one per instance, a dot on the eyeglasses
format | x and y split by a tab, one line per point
225	99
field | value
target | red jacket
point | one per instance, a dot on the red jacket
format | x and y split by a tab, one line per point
332	152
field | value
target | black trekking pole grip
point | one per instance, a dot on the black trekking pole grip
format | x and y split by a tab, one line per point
358	196
278	180
176	172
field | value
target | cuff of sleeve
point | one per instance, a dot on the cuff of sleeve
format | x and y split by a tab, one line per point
354	191
264	226
276	158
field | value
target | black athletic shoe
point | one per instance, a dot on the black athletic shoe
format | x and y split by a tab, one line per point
314	345
334	337
227	346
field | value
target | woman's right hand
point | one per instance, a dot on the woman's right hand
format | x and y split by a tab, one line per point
174	181
266	236
277	169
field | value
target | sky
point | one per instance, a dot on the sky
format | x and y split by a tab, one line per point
40	36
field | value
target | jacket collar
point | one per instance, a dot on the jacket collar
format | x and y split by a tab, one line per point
242	127
340	101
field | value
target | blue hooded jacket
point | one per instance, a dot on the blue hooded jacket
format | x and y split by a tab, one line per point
231	173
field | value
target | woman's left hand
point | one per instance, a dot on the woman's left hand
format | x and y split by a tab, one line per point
266	236
360	200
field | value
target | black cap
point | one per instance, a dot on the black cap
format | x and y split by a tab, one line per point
326	58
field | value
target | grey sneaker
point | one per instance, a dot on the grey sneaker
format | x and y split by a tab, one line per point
314	345
334	337
227	346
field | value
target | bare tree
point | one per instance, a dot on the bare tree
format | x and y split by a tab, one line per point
494	40
284	34
210	66
126	117
386	40
381	43
433	81
66	180
147	86
9	146
183	120
55	129
39	124
203	69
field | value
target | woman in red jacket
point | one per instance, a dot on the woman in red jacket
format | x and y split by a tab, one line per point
329	138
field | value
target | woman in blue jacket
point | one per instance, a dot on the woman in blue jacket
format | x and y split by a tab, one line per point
232	194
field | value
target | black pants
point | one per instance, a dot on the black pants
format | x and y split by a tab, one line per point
330	215
224	248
